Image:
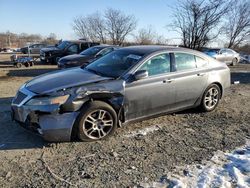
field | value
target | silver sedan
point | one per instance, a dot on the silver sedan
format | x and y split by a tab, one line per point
128	84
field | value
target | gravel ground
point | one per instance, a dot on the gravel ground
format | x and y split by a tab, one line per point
138	153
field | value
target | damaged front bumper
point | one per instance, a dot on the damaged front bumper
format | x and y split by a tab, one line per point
45	120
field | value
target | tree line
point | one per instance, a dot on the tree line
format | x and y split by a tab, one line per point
198	22
9	39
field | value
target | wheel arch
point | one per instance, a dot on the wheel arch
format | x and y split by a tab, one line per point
115	100
220	86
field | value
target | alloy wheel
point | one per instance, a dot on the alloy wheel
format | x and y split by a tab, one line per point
98	124
211	98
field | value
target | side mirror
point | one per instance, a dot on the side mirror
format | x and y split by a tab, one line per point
56	45
140	74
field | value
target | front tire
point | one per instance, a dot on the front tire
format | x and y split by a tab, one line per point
211	98
97	121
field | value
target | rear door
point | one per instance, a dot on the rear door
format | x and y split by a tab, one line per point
190	79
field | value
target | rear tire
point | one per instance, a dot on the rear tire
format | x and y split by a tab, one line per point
18	65
31	63
97	120
27	64
211	98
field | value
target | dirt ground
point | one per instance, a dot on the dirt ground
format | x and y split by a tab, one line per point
138	153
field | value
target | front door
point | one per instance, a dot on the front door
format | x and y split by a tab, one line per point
154	94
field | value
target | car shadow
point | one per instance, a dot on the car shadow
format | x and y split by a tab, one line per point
242	77
12	136
6	64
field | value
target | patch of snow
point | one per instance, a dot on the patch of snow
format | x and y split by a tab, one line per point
224	170
143	132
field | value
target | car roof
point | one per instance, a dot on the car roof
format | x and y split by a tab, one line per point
81	41
149	49
105	46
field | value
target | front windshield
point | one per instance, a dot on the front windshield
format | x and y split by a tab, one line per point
91	51
63	45
114	64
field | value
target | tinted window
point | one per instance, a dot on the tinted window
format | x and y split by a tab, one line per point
84	46
73	48
64	44
91	51
184	61
200	62
157	65
114	64
105	51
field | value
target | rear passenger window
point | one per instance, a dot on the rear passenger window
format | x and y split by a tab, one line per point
184	61
200	62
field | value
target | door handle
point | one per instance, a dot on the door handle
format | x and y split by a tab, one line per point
168	80
201	74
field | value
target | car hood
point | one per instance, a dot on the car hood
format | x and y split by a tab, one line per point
62	79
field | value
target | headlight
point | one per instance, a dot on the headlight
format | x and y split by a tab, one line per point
48	100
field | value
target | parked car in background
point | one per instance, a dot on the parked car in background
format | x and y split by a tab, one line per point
85	57
245	59
225	55
64	48
127	84
33	49
8	50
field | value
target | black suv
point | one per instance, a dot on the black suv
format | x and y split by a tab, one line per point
85	57
52	54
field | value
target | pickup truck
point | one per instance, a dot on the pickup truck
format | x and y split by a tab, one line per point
68	47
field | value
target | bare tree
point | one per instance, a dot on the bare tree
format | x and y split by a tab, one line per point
96	27
51	39
237	26
113	26
90	27
80	27
197	20
145	36
118	25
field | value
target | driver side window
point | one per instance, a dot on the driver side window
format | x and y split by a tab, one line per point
157	65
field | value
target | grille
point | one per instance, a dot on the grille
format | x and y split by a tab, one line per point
19	98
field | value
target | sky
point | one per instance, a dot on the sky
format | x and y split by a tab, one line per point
56	16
